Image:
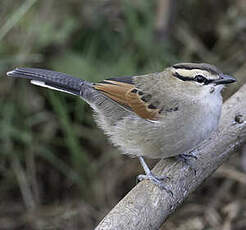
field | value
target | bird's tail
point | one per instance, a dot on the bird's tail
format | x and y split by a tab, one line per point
50	79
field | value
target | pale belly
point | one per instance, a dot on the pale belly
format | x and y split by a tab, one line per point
170	137
176	133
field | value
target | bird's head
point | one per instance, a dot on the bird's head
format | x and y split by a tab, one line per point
200	77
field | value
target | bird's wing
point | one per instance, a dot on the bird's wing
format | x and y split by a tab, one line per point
123	91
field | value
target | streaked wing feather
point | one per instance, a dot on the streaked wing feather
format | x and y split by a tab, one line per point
126	94
140	107
115	90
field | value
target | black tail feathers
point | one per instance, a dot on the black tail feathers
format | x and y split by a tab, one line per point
50	79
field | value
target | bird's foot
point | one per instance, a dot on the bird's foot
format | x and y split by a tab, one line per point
186	159
151	176
157	180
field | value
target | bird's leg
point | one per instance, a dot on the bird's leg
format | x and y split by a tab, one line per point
157	180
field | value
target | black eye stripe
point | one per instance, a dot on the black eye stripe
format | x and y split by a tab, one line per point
197	78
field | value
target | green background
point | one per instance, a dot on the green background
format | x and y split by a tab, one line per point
57	169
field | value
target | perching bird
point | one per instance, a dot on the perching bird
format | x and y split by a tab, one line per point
157	115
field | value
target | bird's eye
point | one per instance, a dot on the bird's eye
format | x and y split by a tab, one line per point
200	79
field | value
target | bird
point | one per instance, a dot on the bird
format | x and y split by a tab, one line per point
156	115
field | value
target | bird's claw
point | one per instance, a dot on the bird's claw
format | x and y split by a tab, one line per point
157	180
186	159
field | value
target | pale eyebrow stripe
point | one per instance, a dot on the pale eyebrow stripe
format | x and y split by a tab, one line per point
191	73
183	78
189	78
190	66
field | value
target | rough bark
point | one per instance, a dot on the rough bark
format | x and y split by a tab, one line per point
147	207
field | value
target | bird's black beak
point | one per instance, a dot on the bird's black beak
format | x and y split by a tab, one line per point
224	79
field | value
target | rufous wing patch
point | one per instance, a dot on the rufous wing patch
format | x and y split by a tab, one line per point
114	90
141	107
126	94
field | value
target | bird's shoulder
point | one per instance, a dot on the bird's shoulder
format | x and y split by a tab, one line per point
138	93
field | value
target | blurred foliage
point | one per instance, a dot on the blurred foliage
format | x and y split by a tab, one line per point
52	154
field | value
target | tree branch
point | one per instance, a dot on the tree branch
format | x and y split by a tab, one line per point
147	207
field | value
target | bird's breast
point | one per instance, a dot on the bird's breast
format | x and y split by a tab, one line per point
178	131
